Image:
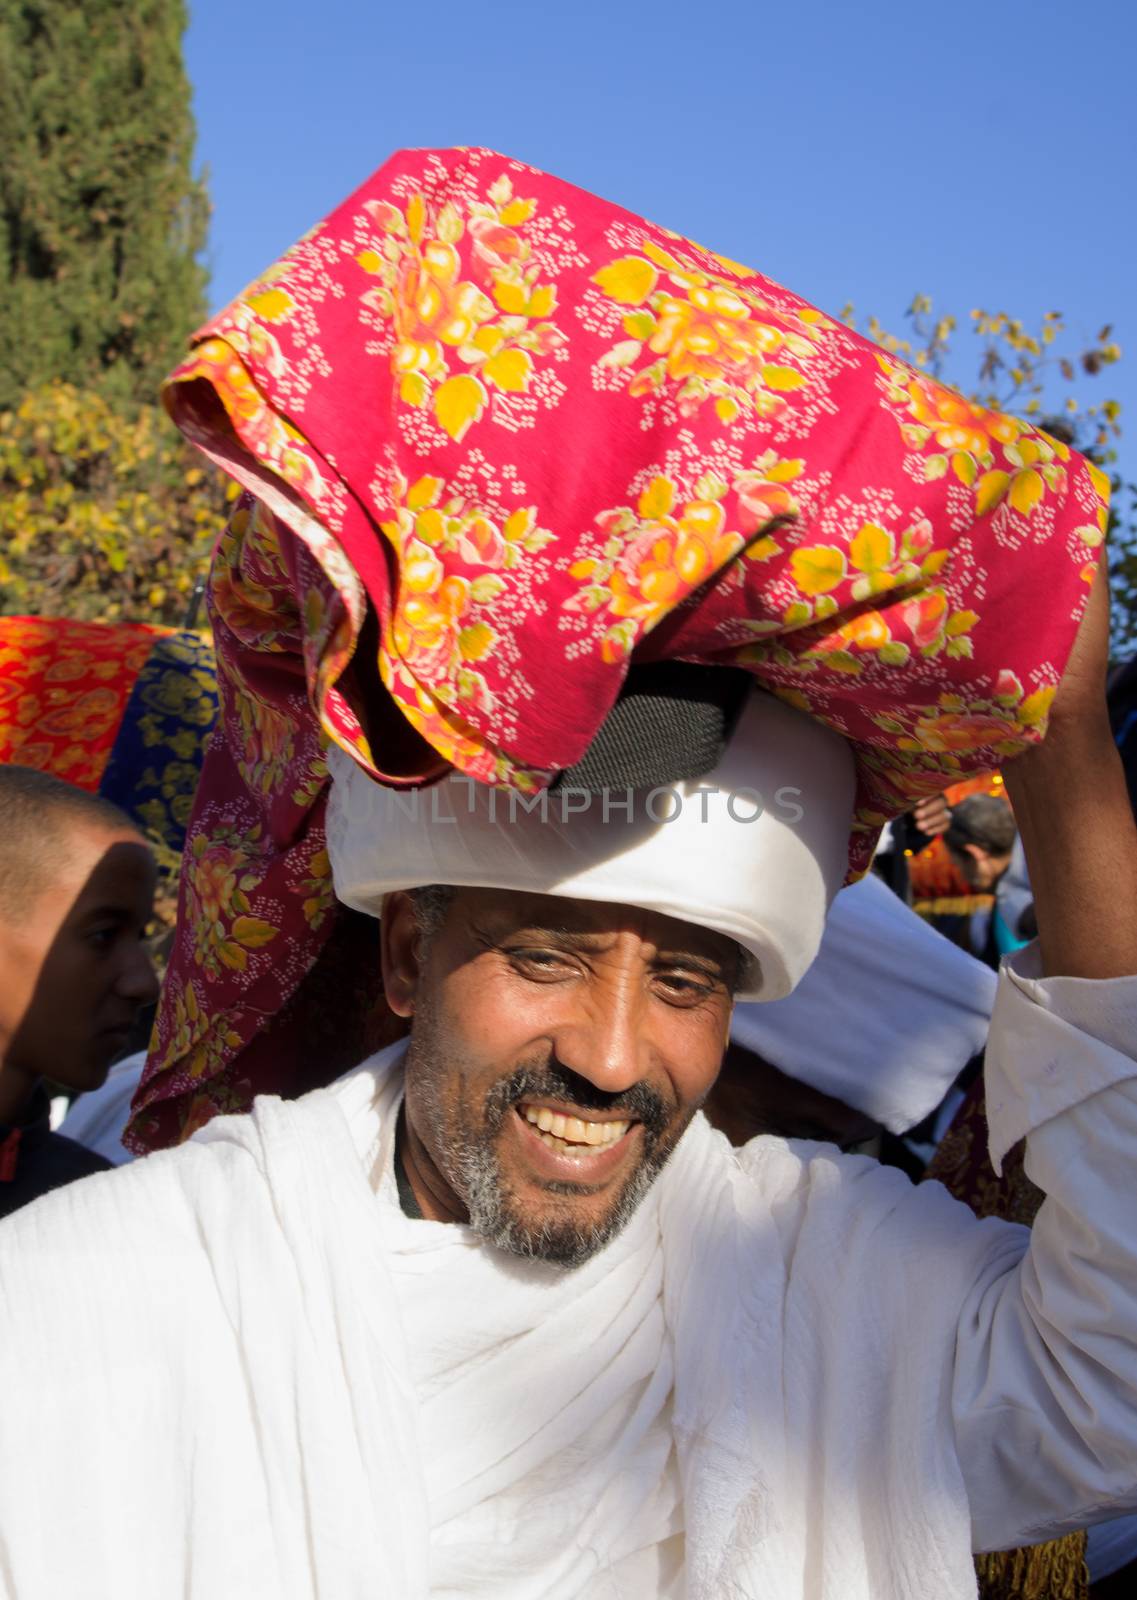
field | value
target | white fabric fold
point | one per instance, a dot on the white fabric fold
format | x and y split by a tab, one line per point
1058	1040
755	850
886	1017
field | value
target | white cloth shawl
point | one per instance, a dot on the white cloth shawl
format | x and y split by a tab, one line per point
887	1016
232	1372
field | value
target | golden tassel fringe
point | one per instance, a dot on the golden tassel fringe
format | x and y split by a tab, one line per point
1054	1571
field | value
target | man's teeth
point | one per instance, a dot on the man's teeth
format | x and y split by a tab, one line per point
560	1132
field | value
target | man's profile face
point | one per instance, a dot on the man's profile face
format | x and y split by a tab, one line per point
75	970
980	869
558	1050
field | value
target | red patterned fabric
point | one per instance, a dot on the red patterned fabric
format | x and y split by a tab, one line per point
63	690
504	435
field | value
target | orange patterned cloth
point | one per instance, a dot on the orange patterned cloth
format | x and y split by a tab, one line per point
499	437
63	689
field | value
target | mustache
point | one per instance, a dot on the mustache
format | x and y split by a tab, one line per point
552	1080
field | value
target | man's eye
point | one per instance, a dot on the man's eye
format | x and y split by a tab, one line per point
544	963
102	938
689	990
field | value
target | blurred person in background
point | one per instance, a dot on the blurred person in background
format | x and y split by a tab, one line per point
76	894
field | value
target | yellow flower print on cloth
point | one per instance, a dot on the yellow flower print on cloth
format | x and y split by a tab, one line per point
653	556
712	337
496	327
500	437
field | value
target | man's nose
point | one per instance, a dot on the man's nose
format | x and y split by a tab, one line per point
137	979
605	1042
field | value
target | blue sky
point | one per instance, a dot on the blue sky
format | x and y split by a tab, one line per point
981	155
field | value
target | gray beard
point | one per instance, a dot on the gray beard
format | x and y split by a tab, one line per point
474	1172
564	1243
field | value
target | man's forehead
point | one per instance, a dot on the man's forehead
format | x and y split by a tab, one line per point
111	867
503	909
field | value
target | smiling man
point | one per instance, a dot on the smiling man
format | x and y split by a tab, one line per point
499	1312
559	1051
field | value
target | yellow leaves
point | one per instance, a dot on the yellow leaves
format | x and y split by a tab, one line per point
476	641
843	661
661	257
252	932
763	549
785	471
516	213
1101	483
486	341
430	526
639	325
782	379
416	217
459	403
1027	489
872	548
933	564
991	488
119	491
963	465
524	300
657	499
1035	709
371	261
628	281
512	298
818	568
487	587
449	226
509	370
960	622
726	409
518	524
414	390
232	955
423	492
274	305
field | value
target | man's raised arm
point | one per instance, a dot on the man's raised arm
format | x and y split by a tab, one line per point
1072	808
1045	1388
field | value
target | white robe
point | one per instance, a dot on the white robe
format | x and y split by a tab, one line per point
235	1371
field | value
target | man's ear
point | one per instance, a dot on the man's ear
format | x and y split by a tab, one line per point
976	851
399	946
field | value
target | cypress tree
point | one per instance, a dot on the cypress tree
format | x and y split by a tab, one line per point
102	219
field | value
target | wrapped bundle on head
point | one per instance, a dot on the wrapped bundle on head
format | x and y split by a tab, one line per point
501	440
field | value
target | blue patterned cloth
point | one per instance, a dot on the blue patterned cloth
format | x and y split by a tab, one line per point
156	758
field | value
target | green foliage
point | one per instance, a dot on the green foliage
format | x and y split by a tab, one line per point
101	219
1032	373
102	515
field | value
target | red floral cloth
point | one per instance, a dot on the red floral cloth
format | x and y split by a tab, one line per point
63	690
504	435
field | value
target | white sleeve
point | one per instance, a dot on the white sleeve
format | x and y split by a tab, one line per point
1045	1384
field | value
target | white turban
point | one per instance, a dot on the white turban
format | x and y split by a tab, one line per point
755	850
